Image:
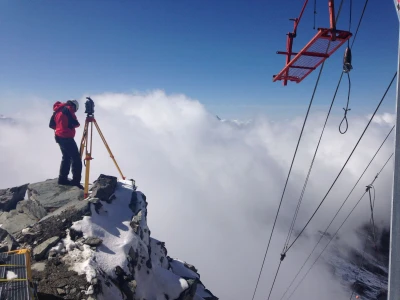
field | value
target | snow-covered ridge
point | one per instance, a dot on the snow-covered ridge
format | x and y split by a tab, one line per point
128	263
99	248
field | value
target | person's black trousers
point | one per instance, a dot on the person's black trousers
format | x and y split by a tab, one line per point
70	158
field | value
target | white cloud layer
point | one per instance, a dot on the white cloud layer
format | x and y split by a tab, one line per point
385	118
213	187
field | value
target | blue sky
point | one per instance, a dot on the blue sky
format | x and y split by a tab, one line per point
220	52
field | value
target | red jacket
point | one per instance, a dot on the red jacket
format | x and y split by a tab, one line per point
64	120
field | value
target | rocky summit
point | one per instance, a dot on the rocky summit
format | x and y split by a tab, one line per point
363	271
95	248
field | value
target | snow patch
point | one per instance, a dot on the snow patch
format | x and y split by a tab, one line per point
25	230
82	262
11	275
113	228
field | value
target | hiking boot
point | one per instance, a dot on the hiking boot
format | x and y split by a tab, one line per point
64	181
77	184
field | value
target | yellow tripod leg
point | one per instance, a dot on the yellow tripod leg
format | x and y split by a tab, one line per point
108	149
86	188
84	139
88	158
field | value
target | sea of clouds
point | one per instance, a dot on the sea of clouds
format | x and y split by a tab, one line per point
213	186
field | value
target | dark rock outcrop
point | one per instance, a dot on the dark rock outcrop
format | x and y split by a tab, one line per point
92	241
54	225
10	197
125	282
19	214
136	222
74	234
40	251
7	241
104	187
189	293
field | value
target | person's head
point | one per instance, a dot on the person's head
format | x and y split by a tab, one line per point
74	104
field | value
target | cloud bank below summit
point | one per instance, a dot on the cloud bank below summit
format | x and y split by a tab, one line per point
213	187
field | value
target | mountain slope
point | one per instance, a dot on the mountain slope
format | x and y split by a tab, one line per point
363	271
98	248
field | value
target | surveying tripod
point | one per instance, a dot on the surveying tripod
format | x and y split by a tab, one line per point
87	145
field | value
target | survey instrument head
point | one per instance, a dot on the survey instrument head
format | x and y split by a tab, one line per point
89	106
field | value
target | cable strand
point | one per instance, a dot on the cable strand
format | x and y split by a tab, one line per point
371	202
287	178
311	166
337	212
316	85
340	172
276	275
280	203
350	14
315	12
359	22
334	235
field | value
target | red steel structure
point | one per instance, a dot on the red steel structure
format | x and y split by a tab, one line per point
323	45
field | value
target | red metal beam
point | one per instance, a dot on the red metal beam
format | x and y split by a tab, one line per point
285	53
290	78
290	36
342	37
297	20
289	46
332	19
303	67
315	54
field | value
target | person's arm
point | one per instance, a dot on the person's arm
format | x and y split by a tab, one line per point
72	119
75	121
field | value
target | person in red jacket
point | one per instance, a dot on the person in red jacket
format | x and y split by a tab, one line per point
64	122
